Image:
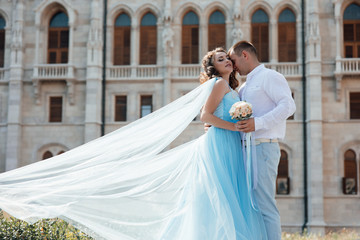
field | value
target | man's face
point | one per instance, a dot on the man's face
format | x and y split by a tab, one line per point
238	62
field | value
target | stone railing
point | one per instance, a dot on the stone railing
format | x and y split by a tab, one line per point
2	74
147	71
53	71
45	72
345	66
188	71
118	72
348	66
288	69
129	72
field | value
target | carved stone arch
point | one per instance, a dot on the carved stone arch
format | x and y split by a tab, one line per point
289	164
116	11
47	9
289	151
140	12
184	9
251	8
353	145
5	15
341	5
212	7
54	148
287	4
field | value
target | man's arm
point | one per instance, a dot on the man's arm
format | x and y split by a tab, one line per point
277	88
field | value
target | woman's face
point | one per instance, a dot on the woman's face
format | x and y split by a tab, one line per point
222	63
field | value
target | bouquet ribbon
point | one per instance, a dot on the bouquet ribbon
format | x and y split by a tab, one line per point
249	153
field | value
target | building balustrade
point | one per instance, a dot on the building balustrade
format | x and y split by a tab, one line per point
189	71
348	66
133	72
288	69
147	71
48	72
186	71
345	67
53	71
118	72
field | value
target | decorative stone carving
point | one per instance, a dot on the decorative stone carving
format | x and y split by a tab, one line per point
168	38
236	35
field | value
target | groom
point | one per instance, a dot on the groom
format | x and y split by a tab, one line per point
270	96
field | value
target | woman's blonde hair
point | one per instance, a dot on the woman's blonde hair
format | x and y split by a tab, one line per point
210	70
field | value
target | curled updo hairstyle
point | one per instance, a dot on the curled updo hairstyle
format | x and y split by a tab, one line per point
210	70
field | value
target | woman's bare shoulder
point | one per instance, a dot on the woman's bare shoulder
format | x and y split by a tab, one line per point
221	86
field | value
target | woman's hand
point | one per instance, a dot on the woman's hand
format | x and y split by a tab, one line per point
206	127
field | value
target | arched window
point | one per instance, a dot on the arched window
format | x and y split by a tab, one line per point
2	41
287	36
47	155
148	39
190	39
122	38
352	31
260	34
350	173
217	30
58	41
283	180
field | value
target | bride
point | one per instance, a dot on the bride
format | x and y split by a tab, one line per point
121	186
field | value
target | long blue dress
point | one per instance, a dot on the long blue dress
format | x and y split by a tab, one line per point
220	204
121	187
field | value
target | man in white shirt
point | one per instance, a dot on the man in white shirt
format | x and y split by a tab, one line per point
270	96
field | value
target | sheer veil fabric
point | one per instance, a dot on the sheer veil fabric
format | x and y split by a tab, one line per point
121	185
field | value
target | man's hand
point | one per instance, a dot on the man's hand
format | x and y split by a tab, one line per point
246	125
206	127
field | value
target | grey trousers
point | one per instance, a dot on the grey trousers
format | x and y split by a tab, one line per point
268	157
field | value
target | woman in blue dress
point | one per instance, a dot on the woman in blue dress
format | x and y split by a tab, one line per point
122	186
224	162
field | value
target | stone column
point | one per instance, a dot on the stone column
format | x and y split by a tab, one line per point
273	41
14	128
94	74
298	40
135	47
167	46
203	39
338	70
314	118
159	47
178	45
133	103
236	33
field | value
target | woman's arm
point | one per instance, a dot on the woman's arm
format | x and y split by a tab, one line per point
207	114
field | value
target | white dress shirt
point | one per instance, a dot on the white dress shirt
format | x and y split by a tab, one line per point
270	96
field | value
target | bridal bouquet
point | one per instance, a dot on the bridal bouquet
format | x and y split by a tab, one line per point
241	110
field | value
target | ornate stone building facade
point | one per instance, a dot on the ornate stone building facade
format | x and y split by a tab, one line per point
65	79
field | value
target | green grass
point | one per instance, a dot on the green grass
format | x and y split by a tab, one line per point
340	235
47	229
55	229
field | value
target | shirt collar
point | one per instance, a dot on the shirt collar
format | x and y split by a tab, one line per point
255	71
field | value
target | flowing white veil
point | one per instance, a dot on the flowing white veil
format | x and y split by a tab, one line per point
112	187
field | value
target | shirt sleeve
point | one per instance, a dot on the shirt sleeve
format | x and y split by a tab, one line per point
277	89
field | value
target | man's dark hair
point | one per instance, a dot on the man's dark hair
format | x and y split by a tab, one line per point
238	47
